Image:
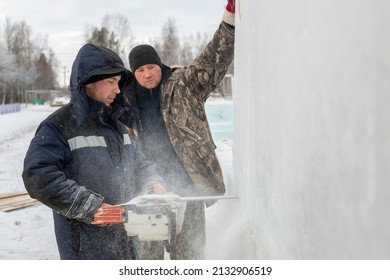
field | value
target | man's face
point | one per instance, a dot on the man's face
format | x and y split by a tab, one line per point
148	76
105	90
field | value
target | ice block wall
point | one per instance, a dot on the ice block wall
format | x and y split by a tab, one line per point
312	130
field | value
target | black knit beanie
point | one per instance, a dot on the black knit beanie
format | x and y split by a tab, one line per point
142	55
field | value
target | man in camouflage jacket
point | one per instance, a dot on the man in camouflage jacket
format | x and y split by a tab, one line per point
173	128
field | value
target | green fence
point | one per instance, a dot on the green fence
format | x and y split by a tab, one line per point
38	101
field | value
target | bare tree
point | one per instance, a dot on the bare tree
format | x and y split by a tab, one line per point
115	33
186	53
46	76
30	62
104	37
169	47
121	25
19	43
8	73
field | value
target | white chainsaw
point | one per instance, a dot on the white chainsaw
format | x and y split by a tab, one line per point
151	217
158	217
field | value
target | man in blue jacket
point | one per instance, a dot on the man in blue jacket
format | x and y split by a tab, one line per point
82	161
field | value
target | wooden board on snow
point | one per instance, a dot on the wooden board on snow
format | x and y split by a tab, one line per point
15	200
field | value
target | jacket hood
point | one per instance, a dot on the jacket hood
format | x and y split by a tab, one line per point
94	60
91	61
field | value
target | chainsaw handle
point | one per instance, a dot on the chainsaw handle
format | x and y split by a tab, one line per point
108	214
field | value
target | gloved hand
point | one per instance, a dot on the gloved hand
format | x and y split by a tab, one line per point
230	11
108	214
231	6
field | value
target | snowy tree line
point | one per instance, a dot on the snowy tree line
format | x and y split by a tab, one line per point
115	33
27	62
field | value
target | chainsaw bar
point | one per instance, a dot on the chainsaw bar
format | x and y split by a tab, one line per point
155	197
206	198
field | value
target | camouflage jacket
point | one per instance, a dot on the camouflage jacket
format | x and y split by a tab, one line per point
182	97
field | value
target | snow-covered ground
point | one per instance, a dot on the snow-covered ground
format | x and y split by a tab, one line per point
28	234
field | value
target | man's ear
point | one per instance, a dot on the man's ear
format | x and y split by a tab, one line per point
87	87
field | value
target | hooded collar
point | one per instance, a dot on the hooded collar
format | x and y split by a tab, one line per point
92	61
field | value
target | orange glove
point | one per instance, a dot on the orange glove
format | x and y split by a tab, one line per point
108	214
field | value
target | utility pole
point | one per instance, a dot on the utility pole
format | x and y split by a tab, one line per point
64	67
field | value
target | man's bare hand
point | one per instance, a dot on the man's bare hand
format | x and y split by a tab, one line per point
156	189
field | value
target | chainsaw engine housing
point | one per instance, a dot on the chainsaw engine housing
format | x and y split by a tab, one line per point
155	217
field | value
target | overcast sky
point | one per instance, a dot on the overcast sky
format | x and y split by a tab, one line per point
64	22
